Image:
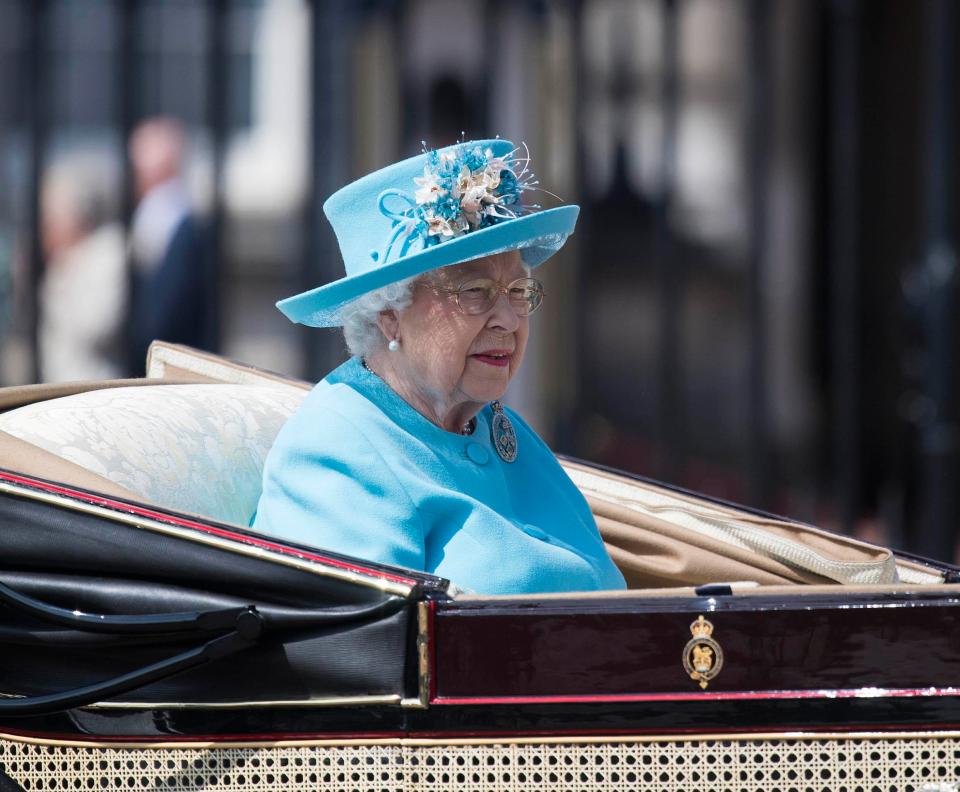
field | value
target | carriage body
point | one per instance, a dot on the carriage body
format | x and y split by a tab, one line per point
144	645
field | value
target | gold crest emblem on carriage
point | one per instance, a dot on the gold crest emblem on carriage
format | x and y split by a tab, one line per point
702	656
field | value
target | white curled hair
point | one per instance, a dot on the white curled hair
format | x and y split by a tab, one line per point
360	329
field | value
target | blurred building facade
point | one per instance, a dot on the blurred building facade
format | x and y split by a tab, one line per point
760	302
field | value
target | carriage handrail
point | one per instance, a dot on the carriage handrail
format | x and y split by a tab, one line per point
249	629
275	617
206	621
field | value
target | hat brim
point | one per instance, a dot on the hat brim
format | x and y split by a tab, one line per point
538	236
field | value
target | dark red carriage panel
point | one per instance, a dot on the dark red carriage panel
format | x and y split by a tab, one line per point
646	650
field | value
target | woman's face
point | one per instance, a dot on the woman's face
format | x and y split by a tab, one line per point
453	358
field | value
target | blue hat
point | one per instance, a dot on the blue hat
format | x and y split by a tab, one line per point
433	210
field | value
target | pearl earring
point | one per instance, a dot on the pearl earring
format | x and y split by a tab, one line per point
394	345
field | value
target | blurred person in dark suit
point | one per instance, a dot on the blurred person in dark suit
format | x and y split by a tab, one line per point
172	290
83	290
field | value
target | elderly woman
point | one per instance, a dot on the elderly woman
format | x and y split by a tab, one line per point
404	454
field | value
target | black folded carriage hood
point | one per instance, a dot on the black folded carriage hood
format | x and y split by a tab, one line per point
106	601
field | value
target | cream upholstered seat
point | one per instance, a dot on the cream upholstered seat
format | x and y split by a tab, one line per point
196	448
200	448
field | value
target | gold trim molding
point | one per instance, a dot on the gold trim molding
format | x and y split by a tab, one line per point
330	701
437	742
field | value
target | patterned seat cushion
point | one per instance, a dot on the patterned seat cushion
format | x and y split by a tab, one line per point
193	448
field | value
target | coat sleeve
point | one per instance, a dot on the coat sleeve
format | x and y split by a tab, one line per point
325	485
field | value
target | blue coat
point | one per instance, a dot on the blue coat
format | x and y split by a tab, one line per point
358	471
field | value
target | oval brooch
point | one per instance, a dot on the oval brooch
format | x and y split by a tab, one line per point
702	656
502	433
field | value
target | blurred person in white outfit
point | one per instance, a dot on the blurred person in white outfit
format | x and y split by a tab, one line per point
83	290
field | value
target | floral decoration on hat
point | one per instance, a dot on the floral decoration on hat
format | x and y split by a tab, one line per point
463	189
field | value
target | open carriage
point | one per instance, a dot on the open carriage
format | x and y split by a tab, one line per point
148	641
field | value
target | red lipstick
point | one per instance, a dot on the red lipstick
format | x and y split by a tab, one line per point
494	357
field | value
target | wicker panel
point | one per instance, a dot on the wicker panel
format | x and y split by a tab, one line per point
710	765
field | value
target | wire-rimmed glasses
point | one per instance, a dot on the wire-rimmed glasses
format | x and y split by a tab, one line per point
478	296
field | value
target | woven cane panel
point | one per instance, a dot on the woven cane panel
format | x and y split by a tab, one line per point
770	765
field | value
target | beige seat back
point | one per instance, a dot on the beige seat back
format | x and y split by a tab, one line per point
196	448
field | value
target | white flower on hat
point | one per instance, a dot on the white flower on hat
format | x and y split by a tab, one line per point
430	188
474	202
491	174
491	179
461	183
440	226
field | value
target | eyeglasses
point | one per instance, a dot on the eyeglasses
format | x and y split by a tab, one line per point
479	296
